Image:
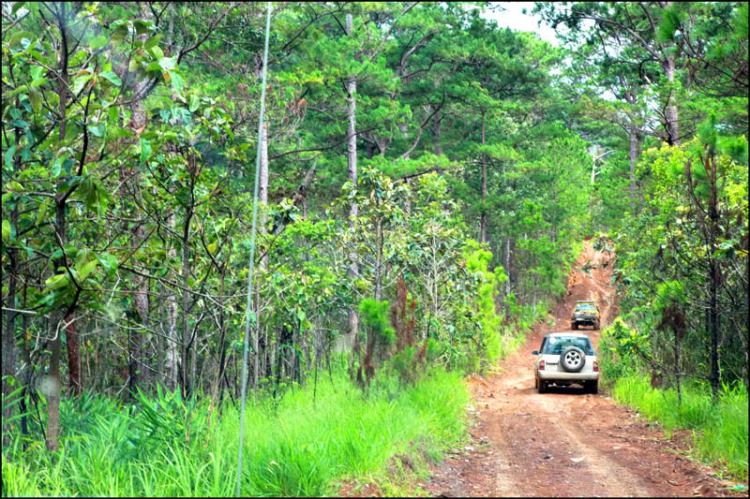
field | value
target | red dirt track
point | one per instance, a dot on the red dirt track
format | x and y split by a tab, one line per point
566	443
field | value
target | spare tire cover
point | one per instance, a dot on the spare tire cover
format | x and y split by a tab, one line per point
572	359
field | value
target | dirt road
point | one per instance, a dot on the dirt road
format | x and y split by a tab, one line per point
565	442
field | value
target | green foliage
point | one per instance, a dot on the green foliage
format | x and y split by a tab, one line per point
720	430
669	243
668	293
621	348
126	186
374	315
491	339
403	363
300	447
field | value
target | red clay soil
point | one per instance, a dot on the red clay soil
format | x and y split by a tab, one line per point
566	443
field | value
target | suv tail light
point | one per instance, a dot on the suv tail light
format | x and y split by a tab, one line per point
541	365
596	366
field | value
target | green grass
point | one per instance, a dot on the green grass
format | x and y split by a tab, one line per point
295	446
720	430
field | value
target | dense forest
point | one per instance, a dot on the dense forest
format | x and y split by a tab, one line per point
424	180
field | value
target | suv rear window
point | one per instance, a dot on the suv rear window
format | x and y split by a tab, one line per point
554	345
585	306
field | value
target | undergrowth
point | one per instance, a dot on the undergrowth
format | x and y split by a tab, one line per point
297	446
720	430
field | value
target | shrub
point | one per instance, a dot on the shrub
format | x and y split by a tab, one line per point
299	446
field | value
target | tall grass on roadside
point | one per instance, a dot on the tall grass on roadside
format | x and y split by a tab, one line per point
165	446
720	430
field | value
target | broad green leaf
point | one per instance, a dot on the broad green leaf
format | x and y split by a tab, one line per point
114	114
152	42
6	230
141	26
56	167
168	63
9	156
177	82
145	149
77	59
17	37
40	212
80	81
120	132
86	269
98	130
14	186
57	281
109	262
98	42
49	299
112	77
157	52
119	34
17	6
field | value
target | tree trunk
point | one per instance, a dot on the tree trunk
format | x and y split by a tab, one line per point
130	187
172	336
714	276
74	357
263	187
27	371
161	343
351	148
140	296
195	341
483	221
52	383
437	119
256	343
263	199
52	388
218	386
9	334
271	352
186	343
378	260
673	137
677	373
436	134
593	169
633	162
506	263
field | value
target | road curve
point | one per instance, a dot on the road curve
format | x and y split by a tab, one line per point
565	443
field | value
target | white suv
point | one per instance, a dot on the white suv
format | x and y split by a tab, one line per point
566	358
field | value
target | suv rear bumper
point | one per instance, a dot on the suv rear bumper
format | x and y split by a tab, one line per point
563	376
588	320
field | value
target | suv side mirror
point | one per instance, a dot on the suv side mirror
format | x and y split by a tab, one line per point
535	352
